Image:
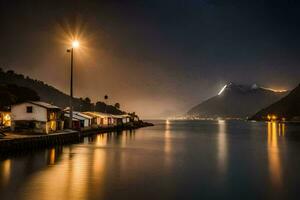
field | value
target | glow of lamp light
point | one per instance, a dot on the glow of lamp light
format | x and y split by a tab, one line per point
6	117
75	44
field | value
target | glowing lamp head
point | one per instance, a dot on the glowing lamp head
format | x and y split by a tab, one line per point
75	44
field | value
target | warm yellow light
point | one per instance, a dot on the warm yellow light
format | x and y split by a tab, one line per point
6	120
269	117
274	117
75	44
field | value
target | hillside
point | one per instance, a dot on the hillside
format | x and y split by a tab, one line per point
12	94
288	107
52	95
236	101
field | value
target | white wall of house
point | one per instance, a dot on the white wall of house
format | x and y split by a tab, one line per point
86	118
19	112
86	123
125	120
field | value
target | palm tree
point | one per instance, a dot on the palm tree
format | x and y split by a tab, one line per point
106	100
117	105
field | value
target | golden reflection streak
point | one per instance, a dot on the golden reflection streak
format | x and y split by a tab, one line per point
79	176
6	171
167	136
101	140
222	146
274	131
123	139
98	170
69	178
52	156
167	143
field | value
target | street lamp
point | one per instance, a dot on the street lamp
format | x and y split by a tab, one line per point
75	44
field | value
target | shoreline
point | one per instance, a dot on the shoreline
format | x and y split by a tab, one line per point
15	145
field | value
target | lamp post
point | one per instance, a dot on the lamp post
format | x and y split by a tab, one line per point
75	44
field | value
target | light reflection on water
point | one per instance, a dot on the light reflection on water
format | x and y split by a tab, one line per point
5	168
172	160
276	131
168	144
222	146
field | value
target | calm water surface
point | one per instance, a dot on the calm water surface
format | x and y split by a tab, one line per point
172	160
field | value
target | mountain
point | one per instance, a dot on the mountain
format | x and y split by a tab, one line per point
236	101
52	95
288	107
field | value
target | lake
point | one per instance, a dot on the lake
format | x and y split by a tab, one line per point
172	160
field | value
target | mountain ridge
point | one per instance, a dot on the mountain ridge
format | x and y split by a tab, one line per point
236	101
287	108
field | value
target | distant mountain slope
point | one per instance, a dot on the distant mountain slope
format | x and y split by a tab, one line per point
52	95
288	107
11	94
236	101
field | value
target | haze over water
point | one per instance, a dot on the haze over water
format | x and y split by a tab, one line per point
172	160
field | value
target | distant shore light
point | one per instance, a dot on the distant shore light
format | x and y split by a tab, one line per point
275	90
223	88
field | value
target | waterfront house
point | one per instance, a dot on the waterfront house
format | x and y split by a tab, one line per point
96	120
76	121
125	118
87	119
36	117
102	119
80	120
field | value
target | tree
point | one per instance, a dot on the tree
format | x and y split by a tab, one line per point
87	100
117	105
10	72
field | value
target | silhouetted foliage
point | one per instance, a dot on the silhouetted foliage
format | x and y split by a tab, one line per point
12	94
10	72
102	107
117	105
87	100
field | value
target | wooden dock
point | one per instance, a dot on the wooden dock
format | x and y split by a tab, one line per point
13	142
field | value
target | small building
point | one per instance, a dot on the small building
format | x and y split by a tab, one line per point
102	119
125	118
36	117
77	122
5	119
80	120
87	119
96	119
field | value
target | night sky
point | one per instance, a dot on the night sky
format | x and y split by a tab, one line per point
156	57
